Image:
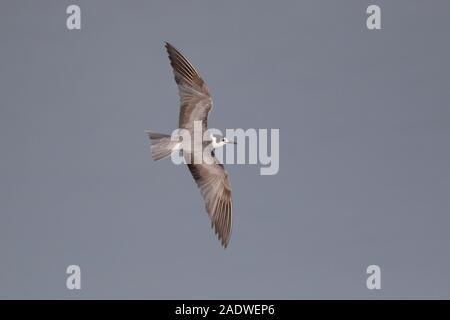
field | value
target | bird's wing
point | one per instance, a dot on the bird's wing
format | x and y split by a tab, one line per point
195	100
212	179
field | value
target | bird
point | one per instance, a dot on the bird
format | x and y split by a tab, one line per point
208	173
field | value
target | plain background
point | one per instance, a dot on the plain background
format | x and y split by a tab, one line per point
364	123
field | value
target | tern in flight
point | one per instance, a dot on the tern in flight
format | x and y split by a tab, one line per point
209	174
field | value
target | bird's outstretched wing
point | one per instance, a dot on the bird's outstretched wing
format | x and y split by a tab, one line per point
212	179
195	100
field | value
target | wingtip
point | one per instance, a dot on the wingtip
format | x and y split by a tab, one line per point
167	45
224	241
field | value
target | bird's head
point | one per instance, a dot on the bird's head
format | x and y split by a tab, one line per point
218	141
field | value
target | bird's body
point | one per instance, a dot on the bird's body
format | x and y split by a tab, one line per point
209	175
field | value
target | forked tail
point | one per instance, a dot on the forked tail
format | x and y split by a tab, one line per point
162	145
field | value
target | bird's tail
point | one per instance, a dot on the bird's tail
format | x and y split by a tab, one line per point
162	145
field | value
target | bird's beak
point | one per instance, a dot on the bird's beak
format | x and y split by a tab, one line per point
232	142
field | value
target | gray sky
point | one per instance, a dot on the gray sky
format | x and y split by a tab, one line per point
364	123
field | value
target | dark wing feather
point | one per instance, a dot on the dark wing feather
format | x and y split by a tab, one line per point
195	100
215	188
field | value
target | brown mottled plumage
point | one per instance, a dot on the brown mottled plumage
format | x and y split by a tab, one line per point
212	179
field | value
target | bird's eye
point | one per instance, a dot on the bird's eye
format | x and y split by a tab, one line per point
223	139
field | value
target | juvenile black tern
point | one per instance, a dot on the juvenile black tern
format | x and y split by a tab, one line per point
209	174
